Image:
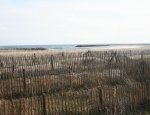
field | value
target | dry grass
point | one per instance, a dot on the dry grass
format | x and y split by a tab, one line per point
72	83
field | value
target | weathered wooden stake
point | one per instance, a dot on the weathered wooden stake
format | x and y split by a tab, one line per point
142	65
114	101
100	92
52	62
70	76
13	108
43	105
24	82
147	88
1	64
13	64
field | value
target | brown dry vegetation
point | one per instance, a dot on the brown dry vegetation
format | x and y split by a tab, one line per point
74	83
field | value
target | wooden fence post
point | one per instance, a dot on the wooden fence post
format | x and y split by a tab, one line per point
24	82
100	93
70	76
1	64
142	64
114	101
63	54
43	106
52	62
34	59
147	89
13	64
13	108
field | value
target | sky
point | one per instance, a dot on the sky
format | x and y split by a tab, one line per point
34	22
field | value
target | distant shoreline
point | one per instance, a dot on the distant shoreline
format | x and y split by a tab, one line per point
26	49
101	45
77	47
91	45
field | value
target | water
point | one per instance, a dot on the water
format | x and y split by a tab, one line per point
72	46
40	46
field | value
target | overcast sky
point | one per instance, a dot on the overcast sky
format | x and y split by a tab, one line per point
74	21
